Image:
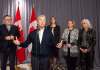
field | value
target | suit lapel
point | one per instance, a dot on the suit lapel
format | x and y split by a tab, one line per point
6	32
43	37
7	29
37	37
11	29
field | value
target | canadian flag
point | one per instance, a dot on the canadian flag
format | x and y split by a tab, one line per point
20	52
33	22
32	26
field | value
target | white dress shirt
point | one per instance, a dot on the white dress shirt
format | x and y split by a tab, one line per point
8	27
41	34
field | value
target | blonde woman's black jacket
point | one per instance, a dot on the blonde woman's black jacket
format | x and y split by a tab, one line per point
90	39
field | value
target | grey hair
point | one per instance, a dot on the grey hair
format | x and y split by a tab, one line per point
41	16
87	21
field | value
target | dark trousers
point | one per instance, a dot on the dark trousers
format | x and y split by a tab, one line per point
40	63
86	61
5	57
71	62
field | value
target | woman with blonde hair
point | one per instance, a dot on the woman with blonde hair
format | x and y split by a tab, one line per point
69	45
86	42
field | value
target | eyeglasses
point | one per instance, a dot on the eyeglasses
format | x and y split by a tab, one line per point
7	19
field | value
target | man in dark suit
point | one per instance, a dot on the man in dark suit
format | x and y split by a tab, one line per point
42	43
7	48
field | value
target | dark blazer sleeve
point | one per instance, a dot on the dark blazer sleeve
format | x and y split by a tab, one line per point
79	38
27	42
93	39
58	33
1	36
52	42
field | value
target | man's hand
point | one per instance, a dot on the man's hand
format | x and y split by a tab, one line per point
11	37
59	45
16	41
7	38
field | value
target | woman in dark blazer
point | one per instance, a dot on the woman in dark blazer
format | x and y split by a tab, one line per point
55	29
86	42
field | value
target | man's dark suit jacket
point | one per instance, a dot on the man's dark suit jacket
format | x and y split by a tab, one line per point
8	46
43	49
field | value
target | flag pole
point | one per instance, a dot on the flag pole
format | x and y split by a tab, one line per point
18	3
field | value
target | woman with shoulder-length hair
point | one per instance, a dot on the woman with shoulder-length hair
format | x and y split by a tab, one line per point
86	42
55	29
69	45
